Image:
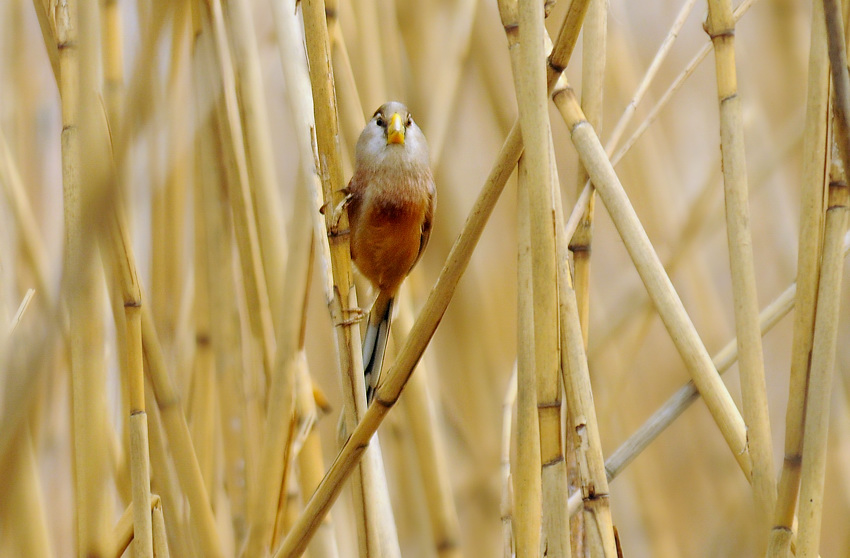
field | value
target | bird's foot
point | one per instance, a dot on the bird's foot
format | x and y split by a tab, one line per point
336	213
351	316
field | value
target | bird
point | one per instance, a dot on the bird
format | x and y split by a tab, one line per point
390	202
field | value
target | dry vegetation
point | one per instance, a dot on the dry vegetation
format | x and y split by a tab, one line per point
180	368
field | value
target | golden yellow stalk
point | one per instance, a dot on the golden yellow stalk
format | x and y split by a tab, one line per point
527	484
376	526
258	148
84	156
244	216
180	442
430	450
122	264
815	157
123	534
429	317
720	27
23	508
277	451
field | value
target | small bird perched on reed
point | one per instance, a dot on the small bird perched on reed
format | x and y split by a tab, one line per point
391	198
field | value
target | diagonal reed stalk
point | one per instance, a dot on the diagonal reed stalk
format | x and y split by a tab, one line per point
720	27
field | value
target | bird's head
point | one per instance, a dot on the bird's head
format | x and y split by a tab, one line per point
392	132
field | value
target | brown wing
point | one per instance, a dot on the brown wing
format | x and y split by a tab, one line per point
426	225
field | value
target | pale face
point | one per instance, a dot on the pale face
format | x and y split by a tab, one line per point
392	137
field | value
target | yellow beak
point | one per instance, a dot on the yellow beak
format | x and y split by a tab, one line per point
395	131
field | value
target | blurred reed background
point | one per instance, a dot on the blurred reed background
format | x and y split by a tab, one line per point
179	358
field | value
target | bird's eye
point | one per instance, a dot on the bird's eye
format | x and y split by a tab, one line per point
379	120
409	121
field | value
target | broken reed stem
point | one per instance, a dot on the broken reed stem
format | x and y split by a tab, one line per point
825	333
240	196
598	529
658	285
592	84
430	315
375	524
721	28
258	149
815	157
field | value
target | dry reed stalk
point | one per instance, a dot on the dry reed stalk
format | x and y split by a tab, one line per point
703	213
506	505
23	505
277	448
592	82
122	264
165	484
239	190
160	538
826	327
431	313
599	534
241	411
720	27
815	157
16	197
687	394
658	284
201	393
168	204
123	533
816	420
370	67
677	83
376	526
112	50
526	479
258	148
430	451
83	175
180	442
440	109
527	484
351	109
311	464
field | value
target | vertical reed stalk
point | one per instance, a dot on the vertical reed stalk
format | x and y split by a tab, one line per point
815	157
430	450
83	170
721	28
377	529
527	484
816	422
258	148
180	442
239	196
823	351
123	266
592	82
